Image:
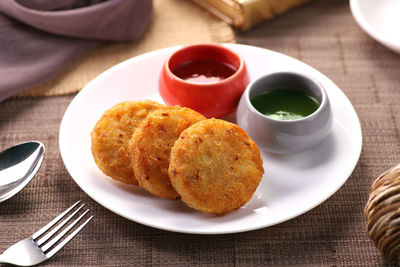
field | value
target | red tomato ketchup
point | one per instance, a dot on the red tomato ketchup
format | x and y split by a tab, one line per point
208	78
204	71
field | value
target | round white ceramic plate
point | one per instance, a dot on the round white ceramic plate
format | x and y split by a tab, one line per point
380	19
291	185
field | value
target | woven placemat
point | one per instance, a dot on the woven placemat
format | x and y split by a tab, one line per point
174	22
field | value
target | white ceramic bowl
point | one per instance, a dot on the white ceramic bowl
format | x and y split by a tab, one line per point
380	19
285	136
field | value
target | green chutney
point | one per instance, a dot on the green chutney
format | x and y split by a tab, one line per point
285	104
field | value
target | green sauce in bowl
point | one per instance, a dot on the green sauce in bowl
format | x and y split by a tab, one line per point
285	104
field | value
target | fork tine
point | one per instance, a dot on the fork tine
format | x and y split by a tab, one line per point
58	227
69	238
53	222
62	234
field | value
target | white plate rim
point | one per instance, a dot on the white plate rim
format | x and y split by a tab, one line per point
363	22
126	63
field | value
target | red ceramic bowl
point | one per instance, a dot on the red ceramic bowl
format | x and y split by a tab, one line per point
210	98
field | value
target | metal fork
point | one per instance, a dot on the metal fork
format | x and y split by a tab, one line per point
38	247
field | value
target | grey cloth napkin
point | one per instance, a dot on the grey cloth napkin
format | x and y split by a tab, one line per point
38	38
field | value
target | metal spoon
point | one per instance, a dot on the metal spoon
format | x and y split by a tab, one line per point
18	165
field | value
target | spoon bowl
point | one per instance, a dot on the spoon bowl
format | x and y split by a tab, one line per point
18	165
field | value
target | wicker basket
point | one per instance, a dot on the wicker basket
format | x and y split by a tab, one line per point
382	213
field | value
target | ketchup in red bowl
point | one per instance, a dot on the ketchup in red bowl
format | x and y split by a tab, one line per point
209	78
204	71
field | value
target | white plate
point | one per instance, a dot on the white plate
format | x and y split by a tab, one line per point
380	19
291	185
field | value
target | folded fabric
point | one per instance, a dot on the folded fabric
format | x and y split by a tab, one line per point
40	37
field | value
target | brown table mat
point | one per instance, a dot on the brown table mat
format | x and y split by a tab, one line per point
175	22
322	34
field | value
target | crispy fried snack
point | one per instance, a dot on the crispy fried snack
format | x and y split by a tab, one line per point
215	167
151	144
111	134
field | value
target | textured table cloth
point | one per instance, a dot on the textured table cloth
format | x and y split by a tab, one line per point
324	35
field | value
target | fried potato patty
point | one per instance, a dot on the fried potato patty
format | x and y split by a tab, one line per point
151	144
111	135
215	167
